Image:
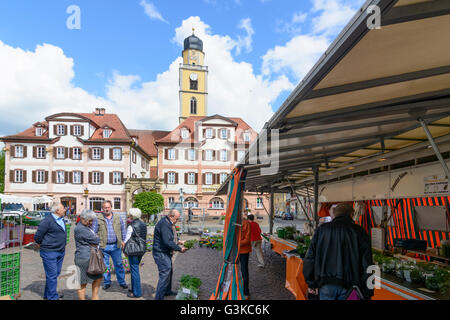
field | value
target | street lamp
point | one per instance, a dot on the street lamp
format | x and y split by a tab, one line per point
86	195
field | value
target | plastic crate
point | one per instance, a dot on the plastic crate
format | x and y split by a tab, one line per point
11	260
10	282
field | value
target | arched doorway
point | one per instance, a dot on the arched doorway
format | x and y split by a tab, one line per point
70	204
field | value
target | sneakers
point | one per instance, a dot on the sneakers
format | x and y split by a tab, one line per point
125	286
106	286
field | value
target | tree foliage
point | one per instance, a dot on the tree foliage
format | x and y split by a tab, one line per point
149	202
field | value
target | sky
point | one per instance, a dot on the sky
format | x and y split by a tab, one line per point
124	55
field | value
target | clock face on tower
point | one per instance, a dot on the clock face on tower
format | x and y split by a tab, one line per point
193	76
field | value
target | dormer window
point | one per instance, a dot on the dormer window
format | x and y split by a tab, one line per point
209	133
107	133
184	133
39	131
247	136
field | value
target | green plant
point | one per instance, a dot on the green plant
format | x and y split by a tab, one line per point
149	202
190	282
189	244
290	232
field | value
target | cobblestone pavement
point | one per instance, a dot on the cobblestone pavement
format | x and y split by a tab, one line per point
265	283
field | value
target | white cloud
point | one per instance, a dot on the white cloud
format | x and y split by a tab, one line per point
151	11
297	57
294	26
245	42
35	84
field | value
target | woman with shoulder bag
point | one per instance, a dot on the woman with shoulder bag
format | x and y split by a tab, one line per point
135	249
85	238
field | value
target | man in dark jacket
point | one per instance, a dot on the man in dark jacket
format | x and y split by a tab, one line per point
338	257
164	243
51	236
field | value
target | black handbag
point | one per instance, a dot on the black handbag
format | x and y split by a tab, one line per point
135	246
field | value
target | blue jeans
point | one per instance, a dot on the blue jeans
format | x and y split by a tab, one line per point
135	276
333	292
53	261
164	263
115	253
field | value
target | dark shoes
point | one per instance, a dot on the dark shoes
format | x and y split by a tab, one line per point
131	295
171	293
106	287
125	286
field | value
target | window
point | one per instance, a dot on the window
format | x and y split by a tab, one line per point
184	133
39	131
216	203
116	203
96	154
106	133
60	130
191	202
76	177
40	176
223	177
76	153
191	154
133	156
60	177
191	178
96	177
194	85
60	153
117	178
18	152
209	133
247	136
223	133
171	154
40	152
117	153
209	155
240	155
96	204
223	155
171	200
18	176
77	130
259	203
208	178
171	178
193	106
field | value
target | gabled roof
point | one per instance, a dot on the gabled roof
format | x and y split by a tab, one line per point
147	138
174	136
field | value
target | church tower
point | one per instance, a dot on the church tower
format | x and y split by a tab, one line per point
193	79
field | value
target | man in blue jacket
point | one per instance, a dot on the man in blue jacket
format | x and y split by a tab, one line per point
51	236
164	243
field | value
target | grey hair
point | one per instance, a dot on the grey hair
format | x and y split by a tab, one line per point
135	213
172	212
54	207
87	215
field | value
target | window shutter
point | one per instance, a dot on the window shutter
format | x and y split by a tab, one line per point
228	133
213	133
90	177
33	176
204	133
111	150
66	153
71	130
121	178
186	154
102	154
13	151
82	130
214	155
45	176
102	177
82	177
71	173
53	176
90	153
11	175
111	178
25	148
203	155
203	179
65	130
24	176
185	178
66	176
196	178
55	130
34	152
228	155
176	154
166	154
165	178
176	177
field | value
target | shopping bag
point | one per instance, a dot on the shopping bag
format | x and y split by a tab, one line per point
96	264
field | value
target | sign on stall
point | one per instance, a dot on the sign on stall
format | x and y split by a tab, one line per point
435	185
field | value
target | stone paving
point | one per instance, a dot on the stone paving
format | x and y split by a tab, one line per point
265	283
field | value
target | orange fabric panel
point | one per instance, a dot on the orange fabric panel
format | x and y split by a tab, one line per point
278	246
324	210
295	282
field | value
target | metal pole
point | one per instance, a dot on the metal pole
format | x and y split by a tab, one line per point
316	195
435	147
272	207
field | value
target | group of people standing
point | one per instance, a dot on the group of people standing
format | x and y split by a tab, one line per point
110	233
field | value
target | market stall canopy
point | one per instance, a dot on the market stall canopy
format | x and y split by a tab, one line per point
9	199
364	99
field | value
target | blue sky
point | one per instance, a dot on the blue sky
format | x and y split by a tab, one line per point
125	55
